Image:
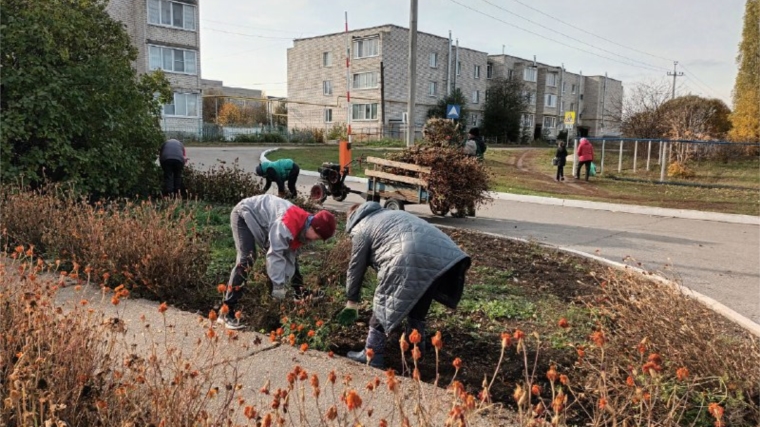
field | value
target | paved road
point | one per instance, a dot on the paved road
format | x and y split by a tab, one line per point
719	260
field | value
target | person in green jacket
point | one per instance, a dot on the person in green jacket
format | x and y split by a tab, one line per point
280	171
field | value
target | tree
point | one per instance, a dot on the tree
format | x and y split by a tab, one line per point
229	115
746	115
212	104
281	114
72	107
456	98
641	109
504	107
694	117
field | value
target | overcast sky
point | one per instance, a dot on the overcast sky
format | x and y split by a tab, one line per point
244	42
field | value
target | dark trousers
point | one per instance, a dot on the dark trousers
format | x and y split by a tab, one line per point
588	169
172	175
422	307
292	178
560	171
245	245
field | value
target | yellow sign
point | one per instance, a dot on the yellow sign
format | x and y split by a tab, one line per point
570	118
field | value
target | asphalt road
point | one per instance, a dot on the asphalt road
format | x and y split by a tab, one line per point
719	260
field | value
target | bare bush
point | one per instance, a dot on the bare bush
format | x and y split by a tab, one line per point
221	183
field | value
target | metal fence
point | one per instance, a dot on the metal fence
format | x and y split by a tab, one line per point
712	163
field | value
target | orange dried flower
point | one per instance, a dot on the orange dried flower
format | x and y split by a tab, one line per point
602	403
292	339
304	347
564	380
272	337
267	421
280	331
238	315
225	310
506	339
370	354
320	323
598	338
331	377
655	358
383	423
403	343
416	374
630	382
581	351
563	323
535	390
311	333
519	335
163	307
265	388
715	410
332	413
416	353
552	374
221	288
415	337
212	316
330	354
682	373
314	381
211	334
437	340
115	300
250	412
83	302
457	363
353	400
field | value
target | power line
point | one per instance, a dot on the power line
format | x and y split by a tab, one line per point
690	73
247	35
255	27
571	37
590	33
552	40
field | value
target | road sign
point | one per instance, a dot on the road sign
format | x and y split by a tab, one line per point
453	111
569	118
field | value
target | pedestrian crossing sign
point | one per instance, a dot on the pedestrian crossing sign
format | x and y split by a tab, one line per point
453	111
569	118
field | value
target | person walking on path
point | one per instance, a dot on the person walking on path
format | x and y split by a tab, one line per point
475	145
280	171
416	263
561	156
172	158
281	229
585	157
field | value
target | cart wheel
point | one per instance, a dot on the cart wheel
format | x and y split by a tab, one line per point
394	205
318	193
342	196
438	207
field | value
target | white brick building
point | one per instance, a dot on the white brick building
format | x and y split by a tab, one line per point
317	81
551	90
166	34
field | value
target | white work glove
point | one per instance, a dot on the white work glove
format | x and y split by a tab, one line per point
278	293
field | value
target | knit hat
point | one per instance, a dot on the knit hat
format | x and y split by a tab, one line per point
475	132
259	170
324	224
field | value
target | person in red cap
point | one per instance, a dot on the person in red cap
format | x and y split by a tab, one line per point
281	229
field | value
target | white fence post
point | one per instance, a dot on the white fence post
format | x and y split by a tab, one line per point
620	157
575	156
662	163
635	154
649	153
601	165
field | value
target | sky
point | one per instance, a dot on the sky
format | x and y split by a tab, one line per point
244	42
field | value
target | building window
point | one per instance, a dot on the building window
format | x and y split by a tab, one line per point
364	112
489	70
327	87
510	73
474	119
564	87
366	47
549	122
527	120
433	89
459	68
172	14
563	105
572	106
530	97
183	105
550	100
530	74
367	80
433	59
328	115
572	89
475	96
551	80
173	60
476	73
327	59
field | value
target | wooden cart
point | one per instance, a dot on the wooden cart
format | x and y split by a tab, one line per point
399	190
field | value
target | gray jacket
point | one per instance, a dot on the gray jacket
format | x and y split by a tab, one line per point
408	254
263	215
172	150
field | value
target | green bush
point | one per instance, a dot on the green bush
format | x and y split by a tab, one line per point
73	108
259	137
221	183
338	131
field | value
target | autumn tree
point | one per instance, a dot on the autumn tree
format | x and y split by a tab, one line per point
212	104
641	115
229	114
746	115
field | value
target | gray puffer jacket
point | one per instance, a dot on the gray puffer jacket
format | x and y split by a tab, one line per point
408	254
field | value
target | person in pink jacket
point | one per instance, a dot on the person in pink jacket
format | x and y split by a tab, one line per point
585	157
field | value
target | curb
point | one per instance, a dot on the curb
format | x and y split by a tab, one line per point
715	306
584	204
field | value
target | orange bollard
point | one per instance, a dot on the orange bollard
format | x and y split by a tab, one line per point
344	155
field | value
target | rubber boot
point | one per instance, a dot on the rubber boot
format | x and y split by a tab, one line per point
419	325
375	341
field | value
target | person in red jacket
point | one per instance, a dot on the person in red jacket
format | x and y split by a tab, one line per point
585	157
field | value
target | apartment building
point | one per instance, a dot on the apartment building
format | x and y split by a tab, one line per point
551	91
318	80
166	35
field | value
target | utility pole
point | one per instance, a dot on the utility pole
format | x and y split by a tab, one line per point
448	69
412	74
674	74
